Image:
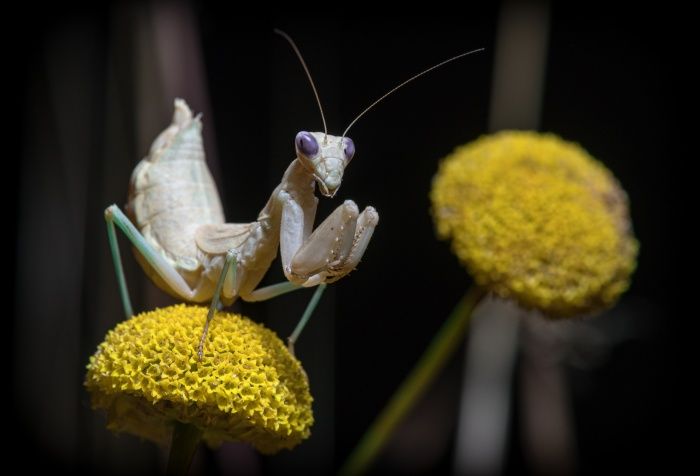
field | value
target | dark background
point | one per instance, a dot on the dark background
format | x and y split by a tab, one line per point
610	85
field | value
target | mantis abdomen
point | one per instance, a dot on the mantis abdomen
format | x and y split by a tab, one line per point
172	192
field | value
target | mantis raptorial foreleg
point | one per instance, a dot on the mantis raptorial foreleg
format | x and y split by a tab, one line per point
332	250
346	238
330	242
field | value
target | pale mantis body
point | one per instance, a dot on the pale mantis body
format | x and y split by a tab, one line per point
186	248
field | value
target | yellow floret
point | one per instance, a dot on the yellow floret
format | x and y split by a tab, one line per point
537	219
247	387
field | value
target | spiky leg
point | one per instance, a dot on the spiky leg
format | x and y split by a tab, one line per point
335	247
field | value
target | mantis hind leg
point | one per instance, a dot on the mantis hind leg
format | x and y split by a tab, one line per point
114	216
118	266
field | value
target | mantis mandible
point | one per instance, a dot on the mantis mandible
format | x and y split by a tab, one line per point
176	225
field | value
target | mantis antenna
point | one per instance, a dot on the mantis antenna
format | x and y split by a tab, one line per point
308	75
406	82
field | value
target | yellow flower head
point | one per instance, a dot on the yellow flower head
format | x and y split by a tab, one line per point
247	387
537	219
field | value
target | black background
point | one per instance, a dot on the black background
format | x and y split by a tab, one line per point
610	85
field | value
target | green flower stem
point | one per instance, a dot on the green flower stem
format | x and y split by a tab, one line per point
186	438
438	352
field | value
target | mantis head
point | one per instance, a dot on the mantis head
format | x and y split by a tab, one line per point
326	157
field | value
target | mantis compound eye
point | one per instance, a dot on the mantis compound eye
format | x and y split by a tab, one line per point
349	148
306	144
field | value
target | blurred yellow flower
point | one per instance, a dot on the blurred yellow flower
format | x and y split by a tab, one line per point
537	219
247	387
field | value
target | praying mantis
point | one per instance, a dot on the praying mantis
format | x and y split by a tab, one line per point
175	222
